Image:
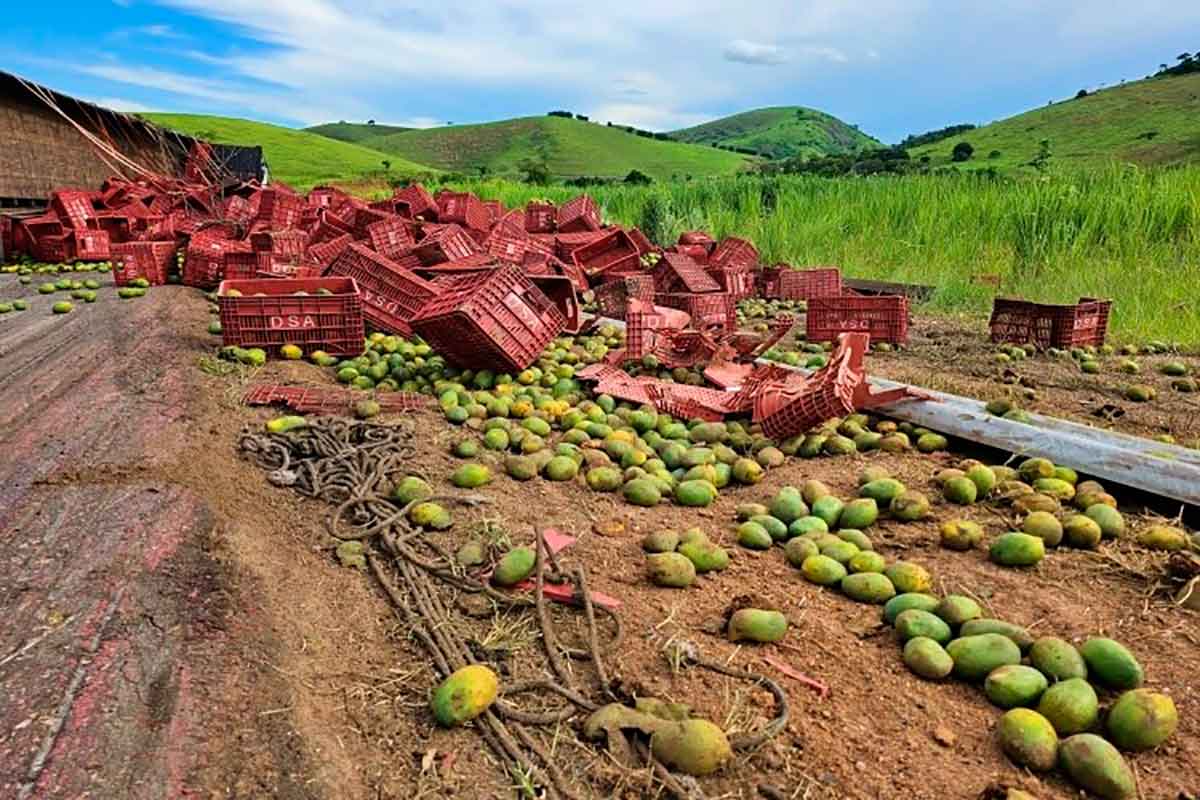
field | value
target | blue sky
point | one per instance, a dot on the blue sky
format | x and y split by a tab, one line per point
892	67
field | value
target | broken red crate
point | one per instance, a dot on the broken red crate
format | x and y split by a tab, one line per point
496	319
415	202
465	209
329	399
612	253
785	283
708	311
1064	326
269	314
561	291
884	317
391	294
578	215
540	217
289	244
495	210
613	296
149	260
445	243
739	283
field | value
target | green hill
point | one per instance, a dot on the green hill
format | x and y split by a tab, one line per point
354	132
781	132
300	159
1149	122
571	148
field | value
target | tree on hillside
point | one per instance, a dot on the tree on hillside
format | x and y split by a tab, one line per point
535	170
637	178
370	122
386	164
1041	161
962	152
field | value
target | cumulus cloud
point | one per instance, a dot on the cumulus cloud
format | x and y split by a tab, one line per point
745	52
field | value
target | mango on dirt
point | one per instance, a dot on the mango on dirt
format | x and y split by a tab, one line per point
695	493
859	514
1141	720
1096	766
754	536
660	542
410	489
471	476
747	471
1014	685
561	468
1163	537
984	479
903	602
1034	468
642	492
869	561
747	511
799	549
516	565
1017	550
882	490
960	491
671	570
976	656
430	515
915	622
910	506
1070	705
756	625
286	423
960	534
813	490
788	506
1083	532
706	556
823	570
521	468
928	659
1020	636
1112	524
464	695
868	587
807	525
693	747
829	509
1057	659
909	578
1028	739
774	528
957	609
1110	664
1045	526
604	479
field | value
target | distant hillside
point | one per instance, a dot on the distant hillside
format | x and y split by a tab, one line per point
1150	122
571	148
781	132
295	157
354	132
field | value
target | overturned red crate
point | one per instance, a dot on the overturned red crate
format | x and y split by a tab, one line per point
713	310
507	242
884	317
73	207
465	209
498	320
149	260
612	253
288	244
1065	326
577	215
735	254
415	202
204	263
391	295
785	283
88	245
311	313
445	243
739	283
279	209
540	217
391	236
325	252
244	265
613	296
561	291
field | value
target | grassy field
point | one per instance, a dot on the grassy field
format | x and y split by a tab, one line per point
781	132
1120	233
571	148
1150	122
354	132
300	159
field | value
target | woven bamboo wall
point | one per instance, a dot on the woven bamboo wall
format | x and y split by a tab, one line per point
41	152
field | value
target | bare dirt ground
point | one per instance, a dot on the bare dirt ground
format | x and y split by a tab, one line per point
177	627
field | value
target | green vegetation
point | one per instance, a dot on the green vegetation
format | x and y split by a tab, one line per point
1120	233
550	146
1150	122
354	132
300	159
781	132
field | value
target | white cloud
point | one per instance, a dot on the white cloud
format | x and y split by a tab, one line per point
745	52
159	31
647	117
122	104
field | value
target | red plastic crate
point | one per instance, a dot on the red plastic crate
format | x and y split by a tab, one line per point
445	243
697	237
283	244
391	294
495	211
696	252
613	296
364	218
740	284
507	242
51	249
540	217
6	238
785	283
73	207
644	245
270	314
329	227
612	252
498	320
579	214
88	245
244	265
1065	326
45	225
567	243
204	263
712	310
279	209
149	260
415	202
884	317
561	291
679	273
465	209
471	263
391	236
733	253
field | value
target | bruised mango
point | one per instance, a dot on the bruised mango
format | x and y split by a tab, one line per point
775	529
960	534
799	549
960	491
869	561
839	550
914	622
829	509
660	542
882	490
1163	537
756	625
693	746
1112	524
856	538
868	587
695	493
1045	526
1028	739
788	506
671	570
706	556
957	609
464	695
516	565
1096	766
642	492
903	602
471	476
806	525
823	570
753	536
927	658
430	515
1141	720
909	506
909	578
1070	705
1057	659
976	656
984	479
1014	685
813	490
1081	531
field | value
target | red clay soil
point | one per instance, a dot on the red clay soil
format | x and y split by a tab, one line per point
177	627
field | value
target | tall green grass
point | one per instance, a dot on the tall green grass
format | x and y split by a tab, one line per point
1121	233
